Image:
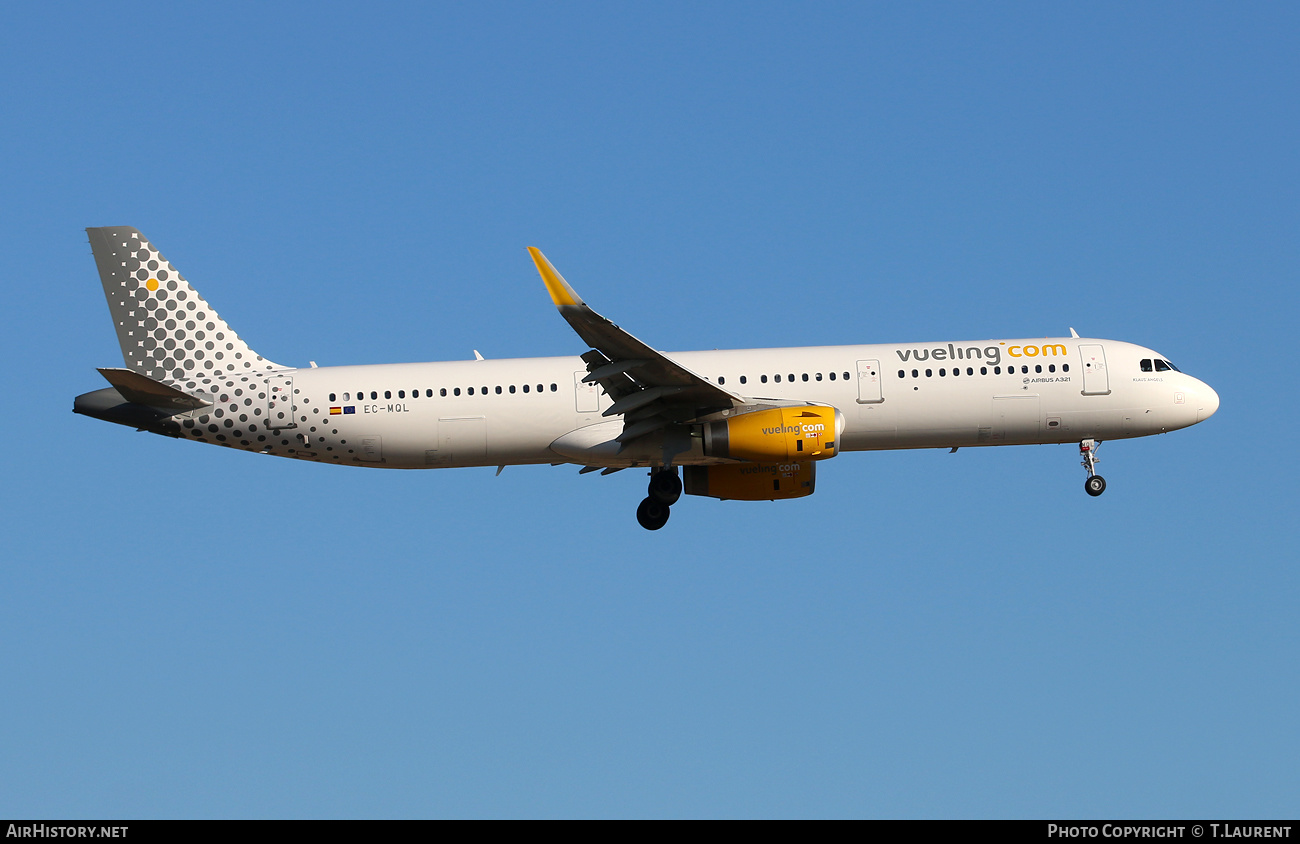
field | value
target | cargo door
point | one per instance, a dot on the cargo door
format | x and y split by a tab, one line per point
463	440
869	382
279	402
1096	381
1015	419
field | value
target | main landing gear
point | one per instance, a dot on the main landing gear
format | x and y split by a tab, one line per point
1096	484
665	489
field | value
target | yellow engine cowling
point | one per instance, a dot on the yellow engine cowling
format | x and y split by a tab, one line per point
779	435
751	481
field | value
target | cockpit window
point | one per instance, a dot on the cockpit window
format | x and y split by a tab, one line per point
1146	364
1171	365
1161	366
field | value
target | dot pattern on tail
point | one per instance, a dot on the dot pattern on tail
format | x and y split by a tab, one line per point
168	332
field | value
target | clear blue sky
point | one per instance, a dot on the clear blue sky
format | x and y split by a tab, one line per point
192	631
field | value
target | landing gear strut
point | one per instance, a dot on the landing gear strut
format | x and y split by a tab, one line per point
1096	484
665	488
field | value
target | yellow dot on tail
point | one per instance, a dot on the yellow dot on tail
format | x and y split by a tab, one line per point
152	284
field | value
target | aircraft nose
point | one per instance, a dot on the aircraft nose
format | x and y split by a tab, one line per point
1207	401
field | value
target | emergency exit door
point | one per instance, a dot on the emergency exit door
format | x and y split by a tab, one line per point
869	382
587	395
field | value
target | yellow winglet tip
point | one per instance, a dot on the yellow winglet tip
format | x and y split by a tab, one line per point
561	293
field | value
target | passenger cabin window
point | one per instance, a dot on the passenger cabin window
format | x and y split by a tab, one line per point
332	397
744	380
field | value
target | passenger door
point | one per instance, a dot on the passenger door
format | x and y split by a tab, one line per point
1096	381
279	402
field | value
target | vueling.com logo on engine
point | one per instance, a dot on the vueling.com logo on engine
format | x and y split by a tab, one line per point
806	428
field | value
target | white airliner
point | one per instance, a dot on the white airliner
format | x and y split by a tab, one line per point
747	424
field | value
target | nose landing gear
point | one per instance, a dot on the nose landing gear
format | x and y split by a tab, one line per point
1096	484
664	490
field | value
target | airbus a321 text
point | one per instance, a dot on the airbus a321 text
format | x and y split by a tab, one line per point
748	424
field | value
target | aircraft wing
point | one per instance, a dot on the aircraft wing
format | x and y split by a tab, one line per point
649	389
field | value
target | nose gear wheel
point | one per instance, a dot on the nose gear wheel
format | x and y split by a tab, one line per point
1096	484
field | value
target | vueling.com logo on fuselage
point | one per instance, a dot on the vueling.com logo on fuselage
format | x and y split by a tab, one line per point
988	354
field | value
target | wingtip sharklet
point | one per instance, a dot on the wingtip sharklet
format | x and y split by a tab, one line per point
561	293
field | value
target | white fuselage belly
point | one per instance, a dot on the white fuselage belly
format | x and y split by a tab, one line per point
405	427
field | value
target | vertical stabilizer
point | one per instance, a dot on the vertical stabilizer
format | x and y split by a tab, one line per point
166	329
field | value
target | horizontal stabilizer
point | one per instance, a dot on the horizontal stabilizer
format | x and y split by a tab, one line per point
141	389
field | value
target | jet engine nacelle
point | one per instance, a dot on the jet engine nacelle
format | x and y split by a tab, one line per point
779	435
751	481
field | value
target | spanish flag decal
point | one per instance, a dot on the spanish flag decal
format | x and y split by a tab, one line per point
335	411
